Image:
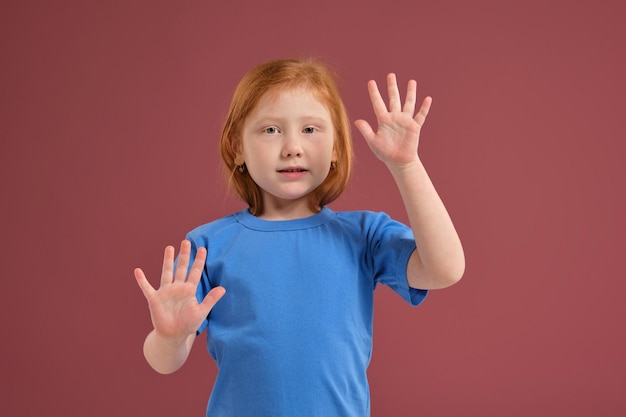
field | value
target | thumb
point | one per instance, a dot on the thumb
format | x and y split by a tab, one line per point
212	298
143	283
366	130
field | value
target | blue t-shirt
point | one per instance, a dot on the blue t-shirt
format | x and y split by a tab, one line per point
293	334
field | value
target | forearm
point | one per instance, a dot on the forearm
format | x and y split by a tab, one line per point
439	260
166	356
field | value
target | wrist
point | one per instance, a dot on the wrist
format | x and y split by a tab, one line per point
165	355
168	340
403	168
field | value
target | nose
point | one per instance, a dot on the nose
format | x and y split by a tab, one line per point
292	146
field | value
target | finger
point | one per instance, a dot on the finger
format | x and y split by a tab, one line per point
143	283
411	97
198	265
366	130
212	298
167	273
395	105
420	117
377	100
183	261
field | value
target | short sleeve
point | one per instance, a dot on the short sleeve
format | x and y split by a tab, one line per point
391	246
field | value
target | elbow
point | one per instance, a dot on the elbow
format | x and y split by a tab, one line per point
448	276
454	275
433	276
163	371
454	271
162	368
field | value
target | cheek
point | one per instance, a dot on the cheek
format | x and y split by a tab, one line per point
331	151
256	156
335	154
247	150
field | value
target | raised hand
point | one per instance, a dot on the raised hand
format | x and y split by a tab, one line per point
174	309
397	138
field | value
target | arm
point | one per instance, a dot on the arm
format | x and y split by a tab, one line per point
166	356
174	309
438	261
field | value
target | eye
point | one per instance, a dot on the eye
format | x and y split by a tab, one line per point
271	130
309	130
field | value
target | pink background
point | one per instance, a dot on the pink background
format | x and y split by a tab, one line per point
109	116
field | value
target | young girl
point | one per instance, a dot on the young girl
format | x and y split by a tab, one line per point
293	335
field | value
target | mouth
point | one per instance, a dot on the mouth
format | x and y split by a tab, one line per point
293	173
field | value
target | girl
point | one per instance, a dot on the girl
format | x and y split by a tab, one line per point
293	336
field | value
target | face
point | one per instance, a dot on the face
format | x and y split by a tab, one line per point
287	146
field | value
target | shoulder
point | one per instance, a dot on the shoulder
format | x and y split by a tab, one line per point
214	229
361	215
367	226
366	220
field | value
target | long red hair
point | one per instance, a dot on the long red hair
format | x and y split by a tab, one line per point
285	74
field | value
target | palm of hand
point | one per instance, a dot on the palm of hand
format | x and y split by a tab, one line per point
397	138
174	309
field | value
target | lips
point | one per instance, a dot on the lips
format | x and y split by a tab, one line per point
293	173
292	169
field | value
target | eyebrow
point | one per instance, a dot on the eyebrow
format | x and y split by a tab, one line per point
304	119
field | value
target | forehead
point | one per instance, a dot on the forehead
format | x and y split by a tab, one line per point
292	99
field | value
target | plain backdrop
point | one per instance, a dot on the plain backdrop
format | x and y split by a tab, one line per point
109	117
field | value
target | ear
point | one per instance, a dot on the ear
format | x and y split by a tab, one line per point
236	147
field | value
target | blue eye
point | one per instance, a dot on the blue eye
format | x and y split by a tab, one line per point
272	130
309	130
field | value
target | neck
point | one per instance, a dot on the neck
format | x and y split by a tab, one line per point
286	210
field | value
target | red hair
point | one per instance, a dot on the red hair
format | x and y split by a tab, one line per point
273	76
